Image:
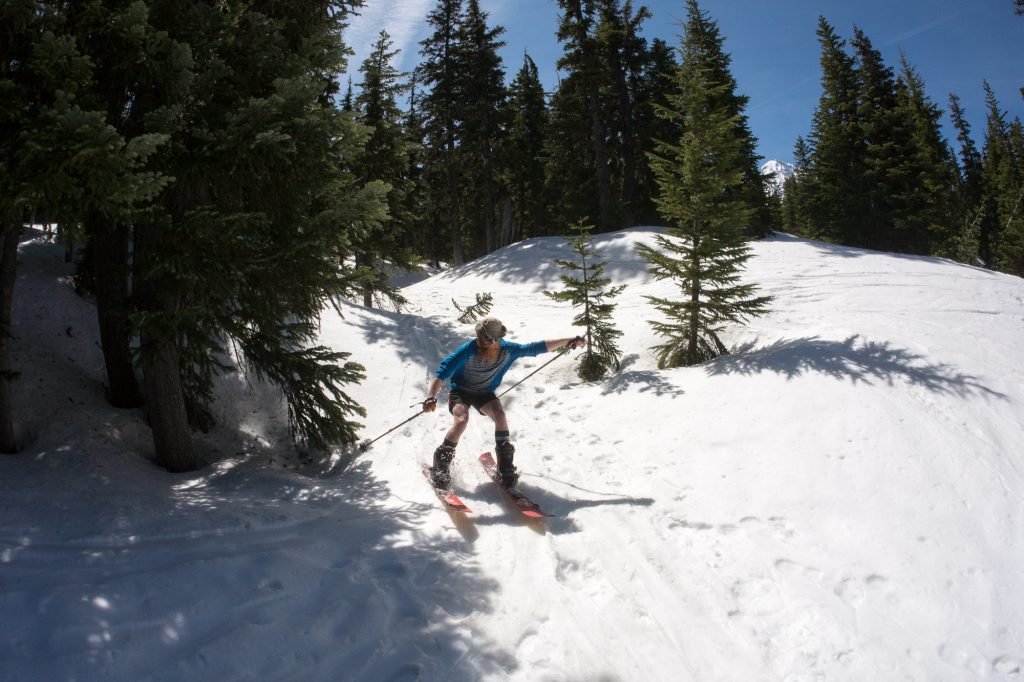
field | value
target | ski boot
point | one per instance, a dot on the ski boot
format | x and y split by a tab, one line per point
439	474
507	476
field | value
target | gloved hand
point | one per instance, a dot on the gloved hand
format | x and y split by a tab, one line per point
430	404
578	342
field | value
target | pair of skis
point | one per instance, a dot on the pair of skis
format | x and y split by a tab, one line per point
451	501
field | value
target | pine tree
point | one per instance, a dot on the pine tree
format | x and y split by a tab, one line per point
442	72
834	193
385	158
582	54
624	52
590	291
261	196
794	211
1001	188
885	150
62	161
524	149
929	215
482	114
970	189
1010	256
702	175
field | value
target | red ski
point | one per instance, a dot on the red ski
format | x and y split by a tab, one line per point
524	504
448	497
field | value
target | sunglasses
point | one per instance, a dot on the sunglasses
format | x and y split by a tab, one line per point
488	339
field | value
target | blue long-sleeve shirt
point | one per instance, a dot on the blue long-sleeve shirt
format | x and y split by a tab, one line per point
471	373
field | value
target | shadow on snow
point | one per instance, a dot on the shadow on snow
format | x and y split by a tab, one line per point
854	359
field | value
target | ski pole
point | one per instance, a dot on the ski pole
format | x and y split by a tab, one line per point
560	354
363	447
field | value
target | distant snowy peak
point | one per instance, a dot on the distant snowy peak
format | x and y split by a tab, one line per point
776	173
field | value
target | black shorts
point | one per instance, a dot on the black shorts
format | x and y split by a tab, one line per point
476	400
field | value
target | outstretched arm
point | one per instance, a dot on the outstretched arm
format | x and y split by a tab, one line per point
572	342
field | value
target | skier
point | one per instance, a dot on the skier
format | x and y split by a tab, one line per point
475	371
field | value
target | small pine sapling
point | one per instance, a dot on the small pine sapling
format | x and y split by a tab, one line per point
473	312
586	287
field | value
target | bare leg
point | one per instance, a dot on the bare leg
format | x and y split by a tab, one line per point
460	414
496	412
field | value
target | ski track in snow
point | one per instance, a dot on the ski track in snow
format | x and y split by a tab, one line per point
843	499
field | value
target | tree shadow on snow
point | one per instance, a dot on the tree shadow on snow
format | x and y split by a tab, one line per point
854	359
644	381
418	339
241	564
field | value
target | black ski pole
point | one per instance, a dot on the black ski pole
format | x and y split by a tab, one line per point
560	354
363	447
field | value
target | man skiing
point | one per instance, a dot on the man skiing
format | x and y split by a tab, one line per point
475	371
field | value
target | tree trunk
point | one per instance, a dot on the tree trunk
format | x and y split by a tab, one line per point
110	264
165	398
8	270
490	228
454	219
628	143
164	391
508	225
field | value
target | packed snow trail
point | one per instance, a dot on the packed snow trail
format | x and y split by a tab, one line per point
842	498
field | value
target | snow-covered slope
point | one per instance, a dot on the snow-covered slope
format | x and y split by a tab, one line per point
841	499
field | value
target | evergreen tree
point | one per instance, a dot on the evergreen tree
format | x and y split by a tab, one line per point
623	51
885	150
482	111
442	73
653	87
582	58
1003	173
418	236
385	158
702	175
139	79
1001	188
713	62
834	193
1010	257
62	161
524	150
928	217
590	291
970	189
261	196
794	211
569	179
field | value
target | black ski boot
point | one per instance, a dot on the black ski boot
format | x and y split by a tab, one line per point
439	474
507	476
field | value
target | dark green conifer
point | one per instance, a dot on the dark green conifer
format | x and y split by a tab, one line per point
524	150
835	196
590	292
702	174
385	158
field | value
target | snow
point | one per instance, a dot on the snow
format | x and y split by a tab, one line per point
842	499
776	173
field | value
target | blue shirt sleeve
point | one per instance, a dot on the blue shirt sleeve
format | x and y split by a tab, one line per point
454	362
525	350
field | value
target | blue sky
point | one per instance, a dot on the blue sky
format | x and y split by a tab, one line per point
954	44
